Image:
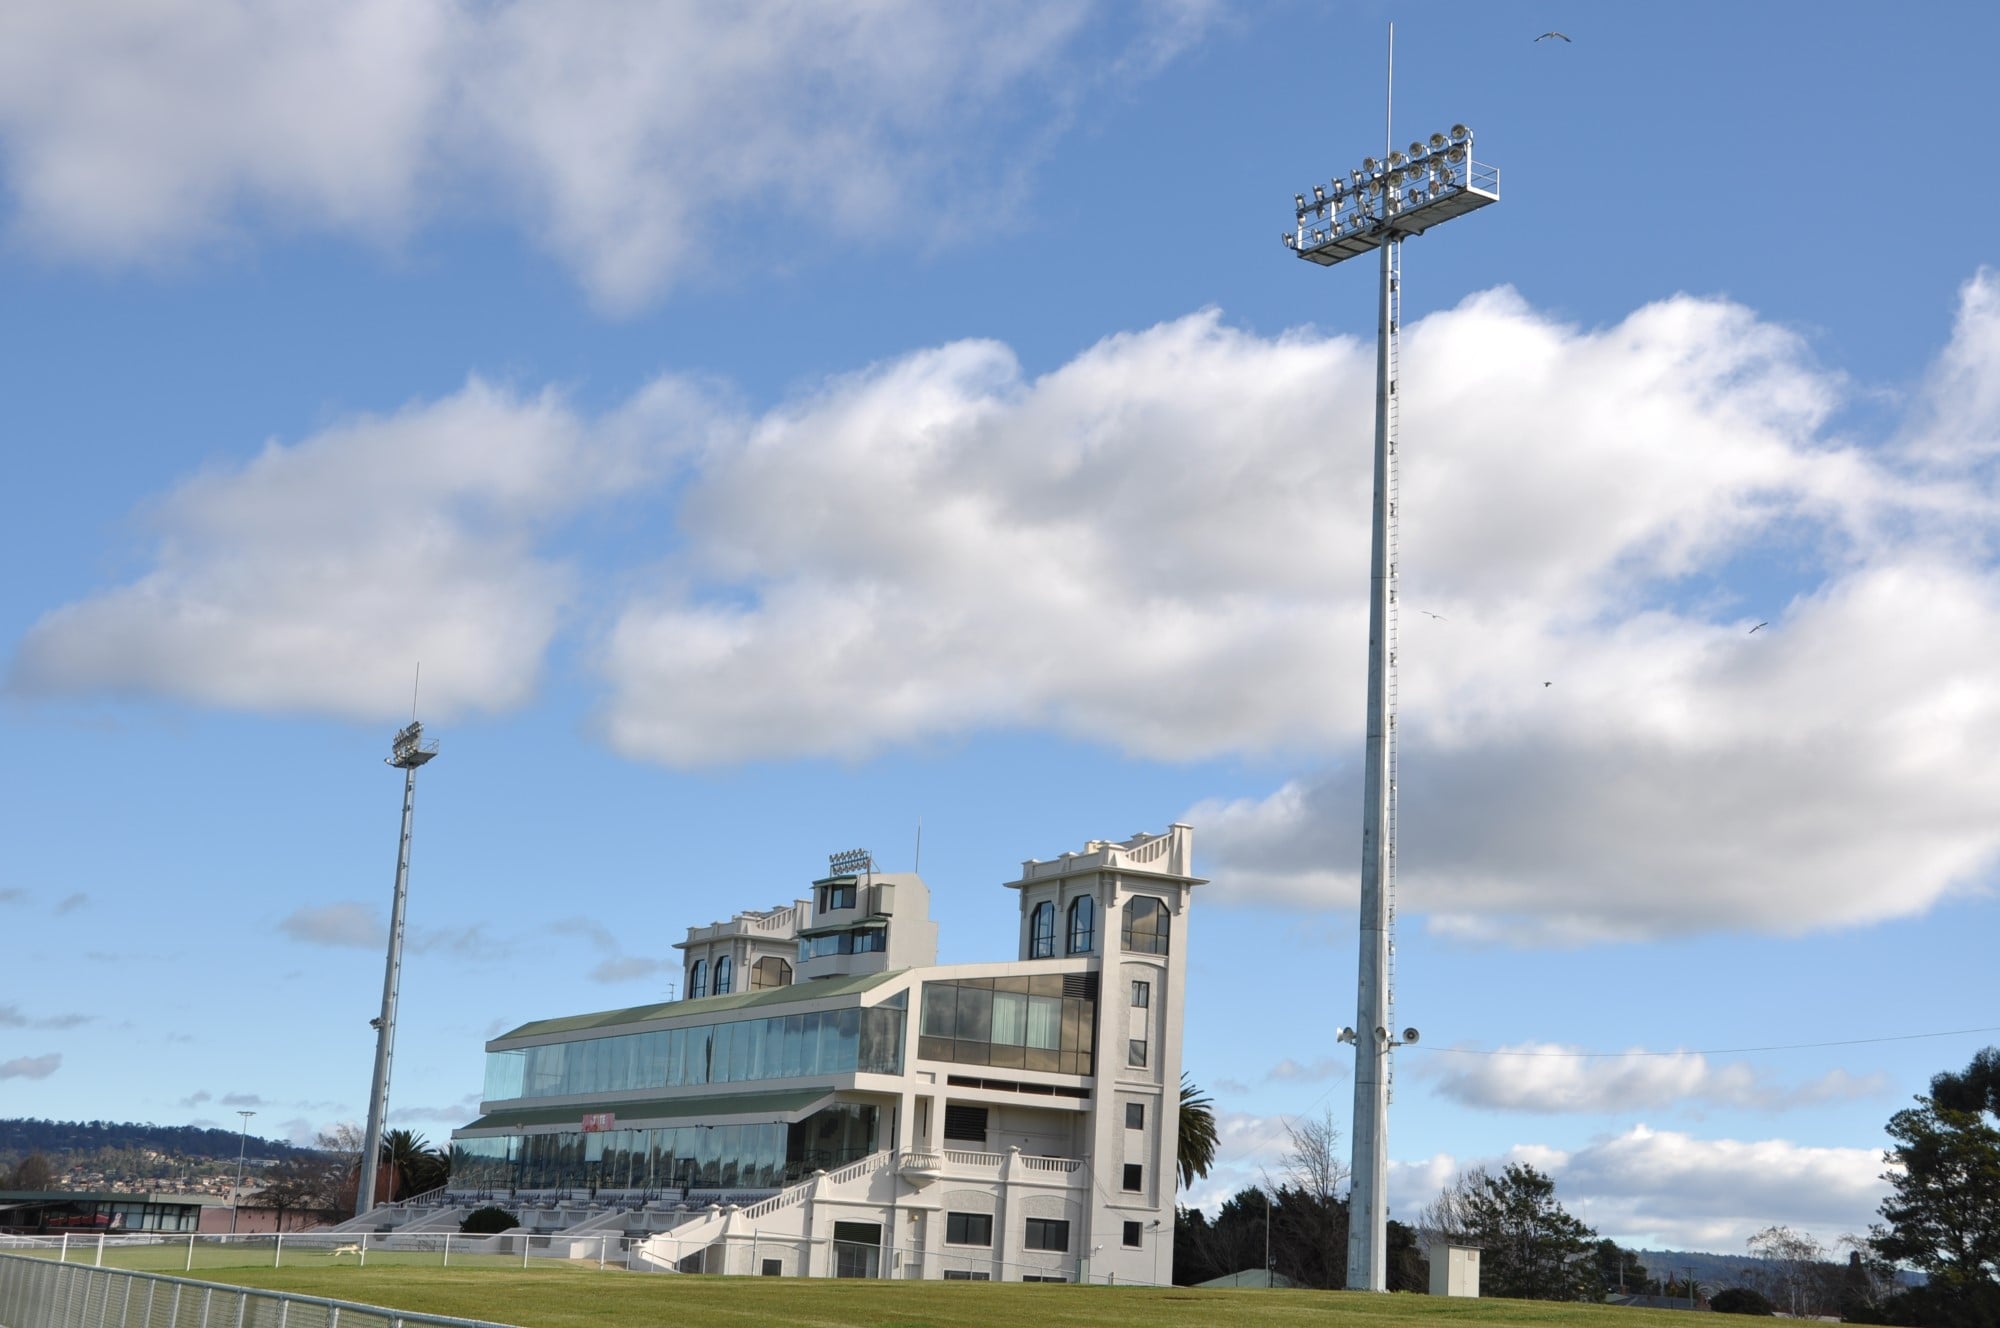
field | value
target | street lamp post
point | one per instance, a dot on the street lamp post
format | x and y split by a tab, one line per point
406	753
1374	209
236	1195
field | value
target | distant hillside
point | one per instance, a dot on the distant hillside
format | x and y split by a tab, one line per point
20	1137
1727	1270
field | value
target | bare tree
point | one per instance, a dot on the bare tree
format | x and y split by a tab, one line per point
1313	1164
1799	1275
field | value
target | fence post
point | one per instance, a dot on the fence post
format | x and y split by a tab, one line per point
600	1251
64	1256
525	1238
362	1262
207	1295
447	1249
278	1252
189	1266
100	1251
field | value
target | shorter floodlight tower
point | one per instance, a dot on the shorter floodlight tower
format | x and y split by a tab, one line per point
1374	209
406	753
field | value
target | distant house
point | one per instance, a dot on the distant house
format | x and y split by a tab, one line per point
89	1213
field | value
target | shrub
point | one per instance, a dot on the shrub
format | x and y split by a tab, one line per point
488	1221
1740	1300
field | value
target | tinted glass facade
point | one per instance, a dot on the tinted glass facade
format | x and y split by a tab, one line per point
739	1051
1023	1022
759	1156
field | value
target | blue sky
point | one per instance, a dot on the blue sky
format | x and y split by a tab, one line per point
773	431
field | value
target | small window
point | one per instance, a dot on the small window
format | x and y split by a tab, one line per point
1135	1235
1135	1115
965	1124
968	1229
1146	925
1142	995
1047	1233
774	1268
725	973
1034	1277
840	895
1042	931
966	1275
768	972
1135	1053
698	980
1135	1177
1082	925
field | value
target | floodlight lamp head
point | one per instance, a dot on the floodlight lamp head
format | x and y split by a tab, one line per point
1299	201
1396	159
849	862
408	750
1417	149
1319	192
1438	142
1457	154
1368	165
1460	134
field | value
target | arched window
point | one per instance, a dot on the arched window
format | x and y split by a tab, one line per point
1042	931
698	980
770	971
725	969
1082	925
1146	925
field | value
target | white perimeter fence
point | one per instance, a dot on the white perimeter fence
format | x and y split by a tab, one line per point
46	1293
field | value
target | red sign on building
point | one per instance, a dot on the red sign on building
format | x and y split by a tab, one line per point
597	1122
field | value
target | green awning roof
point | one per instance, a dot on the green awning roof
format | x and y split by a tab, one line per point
653	1110
707	1006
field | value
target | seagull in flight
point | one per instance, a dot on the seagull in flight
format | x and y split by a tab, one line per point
1753	630
1428	614
1558	35
1548	684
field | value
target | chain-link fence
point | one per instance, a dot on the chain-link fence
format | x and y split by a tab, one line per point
48	1293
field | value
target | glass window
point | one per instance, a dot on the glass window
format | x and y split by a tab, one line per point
1010	1018
1135	1115
768	972
1135	1234
698	980
1042	931
725	969
1082	925
968	1229
966	1275
1135	1176
1046	1233
1146	925
838	895
1142	995
1135	1053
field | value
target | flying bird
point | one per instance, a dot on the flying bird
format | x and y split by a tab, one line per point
1558	35
1548	684
1753	630
1428	614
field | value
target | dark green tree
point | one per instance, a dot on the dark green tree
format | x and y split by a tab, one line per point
1741	1300
1619	1268
1943	1211
414	1166
1195	1149
1531	1248
488	1221
33	1172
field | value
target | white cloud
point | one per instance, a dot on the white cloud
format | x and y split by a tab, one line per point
317	575
624	135
1549	1078
347	924
630	968
1160	547
31	1067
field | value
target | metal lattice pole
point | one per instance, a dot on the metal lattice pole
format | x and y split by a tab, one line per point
1376	208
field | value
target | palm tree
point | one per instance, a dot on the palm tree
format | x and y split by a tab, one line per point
414	1166
1196	1151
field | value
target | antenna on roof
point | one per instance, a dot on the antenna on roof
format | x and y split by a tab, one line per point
414	684
917	866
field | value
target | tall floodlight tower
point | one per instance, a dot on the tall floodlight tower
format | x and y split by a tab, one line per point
1374	209
406	753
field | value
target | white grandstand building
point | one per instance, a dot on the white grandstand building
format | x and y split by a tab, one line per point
829	1101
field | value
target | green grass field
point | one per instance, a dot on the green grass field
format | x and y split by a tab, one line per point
567	1297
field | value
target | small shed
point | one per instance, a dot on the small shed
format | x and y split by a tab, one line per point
1454	1269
